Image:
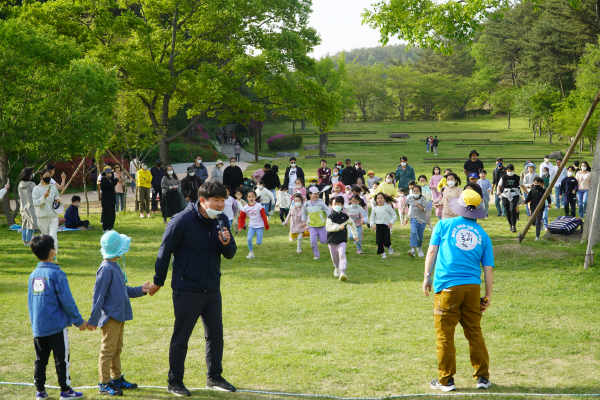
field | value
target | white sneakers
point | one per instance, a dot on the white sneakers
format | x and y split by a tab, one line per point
420	252
383	255
268	217
250	255
343	276
316	258
537	238
411	253
336	272
390	250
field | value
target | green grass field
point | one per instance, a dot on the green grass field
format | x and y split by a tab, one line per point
290	326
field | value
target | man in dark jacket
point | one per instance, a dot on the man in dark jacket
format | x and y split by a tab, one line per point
196	243
109	199
190	185
272	183
349	174
233	175
292	173
158	172
201	171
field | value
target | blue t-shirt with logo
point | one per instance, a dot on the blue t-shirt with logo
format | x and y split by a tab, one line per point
464	248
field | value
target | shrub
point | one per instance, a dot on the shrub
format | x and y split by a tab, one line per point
284	142
181	153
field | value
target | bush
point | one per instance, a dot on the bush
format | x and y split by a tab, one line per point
181	153
284	142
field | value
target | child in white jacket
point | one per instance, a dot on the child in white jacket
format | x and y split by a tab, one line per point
44	195
284	202
383	217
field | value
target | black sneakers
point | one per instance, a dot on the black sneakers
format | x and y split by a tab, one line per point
219	383
178	389
448	387
483	383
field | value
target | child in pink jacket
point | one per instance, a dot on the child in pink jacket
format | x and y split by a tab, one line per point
402	207
294	219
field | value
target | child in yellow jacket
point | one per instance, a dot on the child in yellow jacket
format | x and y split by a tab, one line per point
144	183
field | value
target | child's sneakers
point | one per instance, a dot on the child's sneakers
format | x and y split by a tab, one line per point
360	252
41	395
299	251
109	389
420	252
383	255
336	272
316	258
343	276
71	394
411	253
250	255
121	383
537	238
390	250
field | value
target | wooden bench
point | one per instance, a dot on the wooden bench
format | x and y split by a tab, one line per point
330	133
365	141
457	140
496	143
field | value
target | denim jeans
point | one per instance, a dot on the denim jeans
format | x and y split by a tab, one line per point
500	206
266	206
582	196
545	217
416	233
274	192
120	198
428	147
26	235
360	237
259	237
133	181
557	198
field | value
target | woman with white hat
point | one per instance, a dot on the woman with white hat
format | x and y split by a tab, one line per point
216	175
45	200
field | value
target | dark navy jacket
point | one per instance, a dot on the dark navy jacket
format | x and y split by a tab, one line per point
194	242
72	215
568	184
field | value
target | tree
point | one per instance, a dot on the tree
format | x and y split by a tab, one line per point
202	53
430	94
537	102
400	82
51	101
367	84
503	101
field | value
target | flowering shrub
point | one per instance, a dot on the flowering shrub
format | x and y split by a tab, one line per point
201	132
245	142
217	146
284	142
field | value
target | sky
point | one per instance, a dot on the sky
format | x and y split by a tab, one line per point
338	22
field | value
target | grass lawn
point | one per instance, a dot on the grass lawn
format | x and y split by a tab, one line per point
290	326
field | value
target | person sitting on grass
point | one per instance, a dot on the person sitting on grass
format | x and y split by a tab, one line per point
110	309
459	248
72	215
51	311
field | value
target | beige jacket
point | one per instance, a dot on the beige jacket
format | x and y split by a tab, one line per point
43	206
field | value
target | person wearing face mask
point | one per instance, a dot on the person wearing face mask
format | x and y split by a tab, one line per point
348	177
452	191
264	197
171	200
563	174
314	217
404	174
144	184
292	173
216	175
109	199
272	182
417	204
324	175
284	202
72	215
258	223
45	195
158	172
120	188
436	177
28	217
388	187
233	176
358	212
568	191
294	219
200	170
533	198
497	174
195	242
190	185
360	172
509	188
583	185
337	226
545	164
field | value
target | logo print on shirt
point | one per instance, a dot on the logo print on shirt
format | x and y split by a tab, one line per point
38	285
466	239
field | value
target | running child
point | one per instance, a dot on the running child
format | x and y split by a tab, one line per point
240	203
534	197
264	197
417	214
337	237
284	201
230	209
356	211
299	187
486	188
258	222
426	192
383	217
402	207
337	190
294	219
314	216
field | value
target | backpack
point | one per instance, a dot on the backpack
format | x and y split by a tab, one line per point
564	225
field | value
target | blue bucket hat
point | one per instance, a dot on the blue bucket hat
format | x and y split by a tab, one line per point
114	245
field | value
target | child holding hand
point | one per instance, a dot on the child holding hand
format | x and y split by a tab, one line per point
337	237
110	309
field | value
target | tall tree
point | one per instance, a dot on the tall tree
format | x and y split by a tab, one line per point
401	84
367	84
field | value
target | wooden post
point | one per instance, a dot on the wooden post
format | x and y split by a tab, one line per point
87	203
562	166
73	176
590	229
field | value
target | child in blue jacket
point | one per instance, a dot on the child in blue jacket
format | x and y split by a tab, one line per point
110	309
51	310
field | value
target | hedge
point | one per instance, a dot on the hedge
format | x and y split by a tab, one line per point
284	142
180	153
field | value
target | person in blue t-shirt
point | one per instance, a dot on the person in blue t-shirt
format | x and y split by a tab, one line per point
459	247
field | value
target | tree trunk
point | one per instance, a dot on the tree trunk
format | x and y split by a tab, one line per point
591	146
259	138
540	128
302	124
256	143
509	120
3	178
294	127
549	135
164	151
323	144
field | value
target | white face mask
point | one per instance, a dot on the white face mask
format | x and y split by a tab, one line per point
212	214
347	191
451	183
259	187
416	195
337	208
298	204
583	168
170	172
293	165
232	164
298	186
403	164
389	180
546	159
192	174
77	204
219	166
144	166
569	173
510	173
198	162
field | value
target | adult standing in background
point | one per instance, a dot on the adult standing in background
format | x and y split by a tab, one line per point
63	177
190	185
348	177
404	174
473	164
109	198
93	170
583	185
233	176
434	145
292	173
144	184
324	179
200	169
170	185
497	174
237	151
545	164
360	172
563	175
28	217
233	138
509	188
120	188
158	172
427	143
133	168
44	196
259	173
460	248
216	175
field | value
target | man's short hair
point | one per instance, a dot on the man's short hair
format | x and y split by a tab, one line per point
576	163
198	156
212	189
45	170
268	166
323	160
50	166
403	158
292	158
539	180
41	245
75	198
231	158
559	159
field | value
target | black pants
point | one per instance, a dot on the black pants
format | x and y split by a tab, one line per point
108	216
382	236
156	191
539	222
570	203
58	344
78	224
283	213
510	206
189	306
237	158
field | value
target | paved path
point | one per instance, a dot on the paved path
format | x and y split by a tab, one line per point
245	156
